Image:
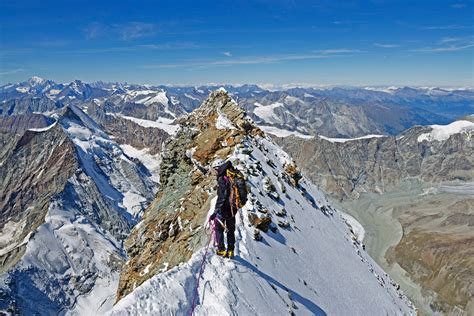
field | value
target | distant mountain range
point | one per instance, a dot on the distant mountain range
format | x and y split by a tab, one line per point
332	112
346	168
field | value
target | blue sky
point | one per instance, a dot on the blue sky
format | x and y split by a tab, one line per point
192	42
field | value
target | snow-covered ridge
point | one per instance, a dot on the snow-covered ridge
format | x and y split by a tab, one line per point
310	265
343	140
443	132
43	129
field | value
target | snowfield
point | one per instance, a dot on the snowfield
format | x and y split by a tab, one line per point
314	266
443	132
283	132
162	123
266	112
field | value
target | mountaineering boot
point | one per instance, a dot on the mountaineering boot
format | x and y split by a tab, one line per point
221	253
230	253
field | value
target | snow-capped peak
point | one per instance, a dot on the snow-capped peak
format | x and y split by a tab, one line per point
35	81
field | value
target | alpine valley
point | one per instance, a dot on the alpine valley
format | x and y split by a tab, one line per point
106	188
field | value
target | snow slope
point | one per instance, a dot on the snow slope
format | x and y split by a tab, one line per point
266	112
443	132
315	266
162	123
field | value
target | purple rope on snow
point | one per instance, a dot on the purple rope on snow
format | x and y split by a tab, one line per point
201	270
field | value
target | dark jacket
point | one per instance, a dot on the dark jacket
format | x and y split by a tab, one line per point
223	191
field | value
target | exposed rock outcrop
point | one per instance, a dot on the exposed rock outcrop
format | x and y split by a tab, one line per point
17	124
346	169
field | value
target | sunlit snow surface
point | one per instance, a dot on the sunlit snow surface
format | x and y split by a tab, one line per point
223	122
282	132
313	267
443	132
162	123
343	140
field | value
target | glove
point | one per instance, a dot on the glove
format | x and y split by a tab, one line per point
215	215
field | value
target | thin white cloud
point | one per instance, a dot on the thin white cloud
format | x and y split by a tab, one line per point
460	40
134	30
443	27
132	48
445	40
10	72
125	31
337	51
228	54
386	45
452	48
246	61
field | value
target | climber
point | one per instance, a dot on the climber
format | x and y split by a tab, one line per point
223	216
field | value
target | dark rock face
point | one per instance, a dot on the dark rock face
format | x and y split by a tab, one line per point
17	124
128	132
345	170
28	105
31	174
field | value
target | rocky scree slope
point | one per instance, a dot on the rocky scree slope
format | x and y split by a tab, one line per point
69	196
295	253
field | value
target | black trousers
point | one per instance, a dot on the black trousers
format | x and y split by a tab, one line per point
220	232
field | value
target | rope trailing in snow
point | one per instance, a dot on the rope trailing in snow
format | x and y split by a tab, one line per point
201	270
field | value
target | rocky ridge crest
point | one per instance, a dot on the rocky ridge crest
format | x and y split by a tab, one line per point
171	229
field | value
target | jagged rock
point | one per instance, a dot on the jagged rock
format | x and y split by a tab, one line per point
270	163
293	173
281	213
262	223
246	151
268	185
263	210
196	176
256	235
252	217
283	223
